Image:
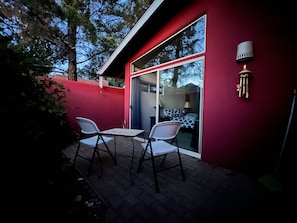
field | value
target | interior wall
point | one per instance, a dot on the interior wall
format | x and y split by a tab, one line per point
172	101
147	109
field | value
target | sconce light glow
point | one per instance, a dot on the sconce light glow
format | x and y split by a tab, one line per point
187	105
244	51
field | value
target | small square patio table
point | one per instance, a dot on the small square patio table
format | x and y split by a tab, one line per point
124	132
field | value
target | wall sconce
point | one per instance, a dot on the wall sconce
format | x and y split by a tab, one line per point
244	51
243	86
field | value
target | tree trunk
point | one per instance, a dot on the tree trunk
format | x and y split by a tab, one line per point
72	69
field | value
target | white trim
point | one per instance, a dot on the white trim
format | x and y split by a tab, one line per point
137	138
148	13
196	154
100	81
166	40
190	153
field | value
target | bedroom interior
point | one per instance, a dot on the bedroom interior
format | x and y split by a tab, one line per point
177	104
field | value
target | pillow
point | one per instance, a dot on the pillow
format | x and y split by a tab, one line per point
191	116
172	112
176	112
166	112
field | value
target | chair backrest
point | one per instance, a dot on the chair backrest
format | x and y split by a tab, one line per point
165	130
87	126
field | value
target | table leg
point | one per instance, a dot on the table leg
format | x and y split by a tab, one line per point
115	149
132	160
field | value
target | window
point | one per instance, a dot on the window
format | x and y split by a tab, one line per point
180	82
153	89
188	41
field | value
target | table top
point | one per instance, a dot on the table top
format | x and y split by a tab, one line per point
122	132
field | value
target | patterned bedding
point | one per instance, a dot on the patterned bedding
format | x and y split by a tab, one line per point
187	121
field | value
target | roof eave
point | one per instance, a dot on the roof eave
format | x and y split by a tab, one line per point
156	16
145	17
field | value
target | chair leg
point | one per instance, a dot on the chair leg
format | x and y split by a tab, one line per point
76	154
163	160
155	174
179	158
181	166
110	153
141	160
92	160
101	166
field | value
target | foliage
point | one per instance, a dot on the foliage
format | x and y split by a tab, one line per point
32	112
115	82
78	33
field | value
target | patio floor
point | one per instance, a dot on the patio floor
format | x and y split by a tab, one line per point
209	194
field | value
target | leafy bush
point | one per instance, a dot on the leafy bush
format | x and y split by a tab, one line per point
32	113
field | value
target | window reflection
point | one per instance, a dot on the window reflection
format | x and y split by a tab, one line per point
187	42
180	95
183	76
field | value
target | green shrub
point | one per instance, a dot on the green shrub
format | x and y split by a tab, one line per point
32	114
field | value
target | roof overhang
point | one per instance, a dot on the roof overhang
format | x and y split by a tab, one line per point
156	16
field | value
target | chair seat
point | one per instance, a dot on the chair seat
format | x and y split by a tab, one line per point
87	129
160	148
92	140
162	141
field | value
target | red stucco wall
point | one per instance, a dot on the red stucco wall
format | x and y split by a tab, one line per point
103	105
241	133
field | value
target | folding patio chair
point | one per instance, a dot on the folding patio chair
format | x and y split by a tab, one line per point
162	141
90	136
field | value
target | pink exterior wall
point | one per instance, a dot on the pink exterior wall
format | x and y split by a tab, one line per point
240	133
103	105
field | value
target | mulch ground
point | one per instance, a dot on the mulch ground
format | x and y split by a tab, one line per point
77	201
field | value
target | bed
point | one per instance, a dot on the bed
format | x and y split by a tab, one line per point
187	120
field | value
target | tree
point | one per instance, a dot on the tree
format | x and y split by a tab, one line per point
32	105
34	126
71	31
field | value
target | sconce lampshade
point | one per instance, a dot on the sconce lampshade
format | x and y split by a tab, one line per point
187	104
244	51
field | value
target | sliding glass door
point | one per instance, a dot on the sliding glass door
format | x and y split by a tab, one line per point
171	93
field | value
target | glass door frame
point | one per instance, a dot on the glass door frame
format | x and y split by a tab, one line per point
157	99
